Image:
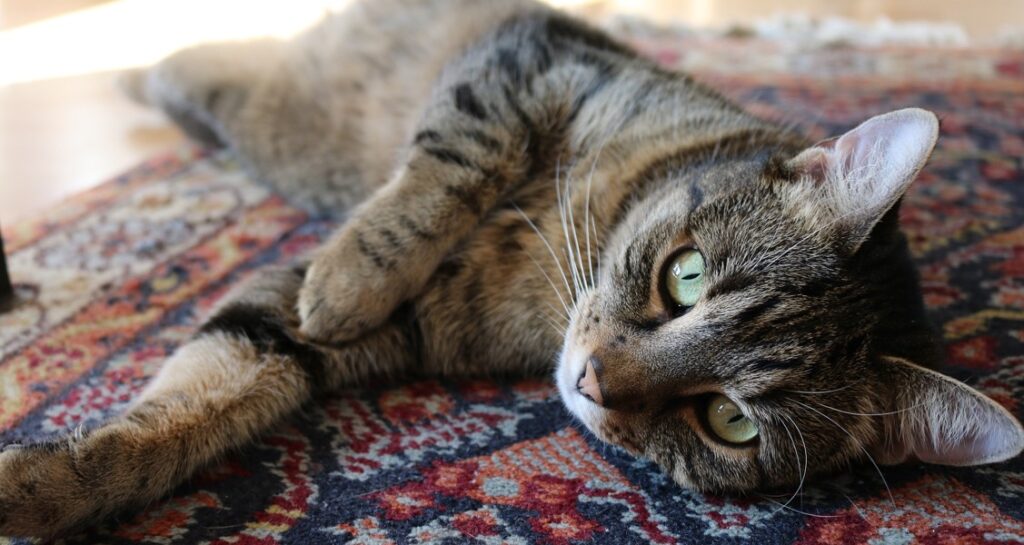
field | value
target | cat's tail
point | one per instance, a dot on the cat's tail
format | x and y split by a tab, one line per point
244	371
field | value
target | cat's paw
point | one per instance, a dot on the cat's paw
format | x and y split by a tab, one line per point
41	494
345	295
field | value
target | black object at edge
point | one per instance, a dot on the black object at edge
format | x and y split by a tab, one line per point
6	289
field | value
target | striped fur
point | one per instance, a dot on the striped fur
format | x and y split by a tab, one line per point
517	182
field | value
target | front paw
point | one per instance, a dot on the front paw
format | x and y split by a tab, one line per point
344	297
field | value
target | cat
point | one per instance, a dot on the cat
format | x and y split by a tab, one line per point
526	195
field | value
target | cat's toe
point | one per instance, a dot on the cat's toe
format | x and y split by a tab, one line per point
326	324
319	323
335	309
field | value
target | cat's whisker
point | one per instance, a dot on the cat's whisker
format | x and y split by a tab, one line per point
796	455
887	413
585	267
561	300
575	238
586	218
561	316
566	250
551	250
807	458
821	392
553	323
574	259
803	469
854	504
857	442
798	511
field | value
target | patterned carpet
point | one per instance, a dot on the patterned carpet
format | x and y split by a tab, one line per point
115	279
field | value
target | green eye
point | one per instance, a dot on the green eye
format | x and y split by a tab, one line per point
685	278
728	422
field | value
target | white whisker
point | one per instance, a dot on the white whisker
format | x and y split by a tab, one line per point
796	454
871	414
551	283
566	208
562	317
551	251
588	215
586	223
855	506
859	445
575	238
554	325
795	510
803	469
573	272
561	220
818	392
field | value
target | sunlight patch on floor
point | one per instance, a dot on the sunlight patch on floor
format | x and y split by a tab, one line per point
130	33
127	33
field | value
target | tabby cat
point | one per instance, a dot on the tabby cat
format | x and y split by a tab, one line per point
527	195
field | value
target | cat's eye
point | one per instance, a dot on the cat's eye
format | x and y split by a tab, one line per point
684	278
728	422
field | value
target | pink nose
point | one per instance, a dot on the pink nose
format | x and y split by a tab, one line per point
588	385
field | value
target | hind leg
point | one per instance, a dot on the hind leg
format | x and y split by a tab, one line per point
245	371
203	88
268	103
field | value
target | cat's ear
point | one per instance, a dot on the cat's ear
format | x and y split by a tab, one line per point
851	181
939	420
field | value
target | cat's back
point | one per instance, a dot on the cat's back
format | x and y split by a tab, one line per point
376	62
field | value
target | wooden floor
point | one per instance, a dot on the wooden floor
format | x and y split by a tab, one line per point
60	135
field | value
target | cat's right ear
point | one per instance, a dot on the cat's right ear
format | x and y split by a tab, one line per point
846	184
939	420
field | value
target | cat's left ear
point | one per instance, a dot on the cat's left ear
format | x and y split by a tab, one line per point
853	180
939	420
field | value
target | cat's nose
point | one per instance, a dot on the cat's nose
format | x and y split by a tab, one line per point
589	384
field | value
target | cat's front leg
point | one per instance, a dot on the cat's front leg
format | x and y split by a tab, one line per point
472	145
243	373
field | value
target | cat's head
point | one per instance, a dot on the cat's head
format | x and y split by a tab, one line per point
750	337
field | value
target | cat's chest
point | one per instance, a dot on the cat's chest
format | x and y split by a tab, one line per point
500	298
